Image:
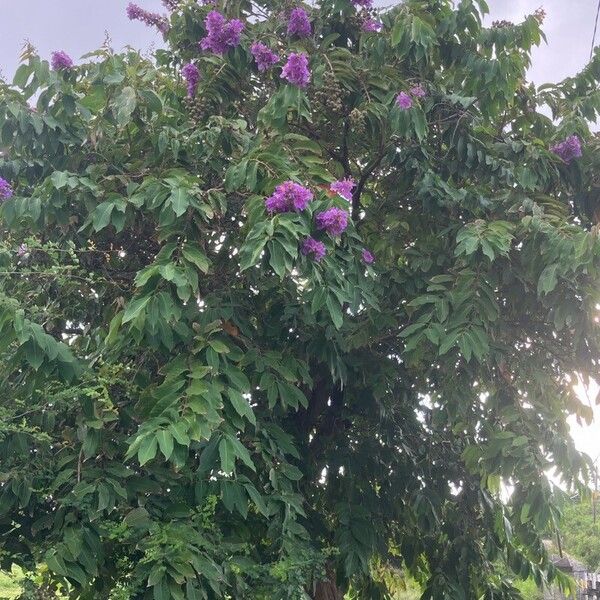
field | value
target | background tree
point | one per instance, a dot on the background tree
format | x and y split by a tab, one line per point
580	534
285	307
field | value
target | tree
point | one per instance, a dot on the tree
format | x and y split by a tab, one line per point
209	389
580	532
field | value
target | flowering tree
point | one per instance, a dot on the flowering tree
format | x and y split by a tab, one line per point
288	309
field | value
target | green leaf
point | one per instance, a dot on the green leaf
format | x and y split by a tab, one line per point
335	311
152	101
236	176
165	442
240	451
548	280
241	405
277	259
208	455
101	215
134	308
238	379
196	256
227	455
59	179
180	200
147	450
218	346
95	99
125	104
22	76
257	499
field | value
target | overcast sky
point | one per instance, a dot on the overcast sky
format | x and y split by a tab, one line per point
79	26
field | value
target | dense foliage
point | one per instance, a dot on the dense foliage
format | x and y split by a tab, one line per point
580	532
228	371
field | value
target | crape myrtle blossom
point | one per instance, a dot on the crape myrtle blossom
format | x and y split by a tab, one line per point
296	69
418	91
61	61
221	34
299	23
313	248
404	101
371	26
288	197
363	3
263	55
137	13
343	188
191	74
333	220
367	257
6	190
568	149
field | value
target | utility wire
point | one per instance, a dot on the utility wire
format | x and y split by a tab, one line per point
595	31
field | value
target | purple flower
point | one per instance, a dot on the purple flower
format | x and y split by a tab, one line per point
265	58
296	69
220	33
418	91
343	188
22	250
314	248
61	61
333	220
404	101
171	4
364	3
367	257
371	26
6	190
191	74
137	13
288	197
299	24
568	149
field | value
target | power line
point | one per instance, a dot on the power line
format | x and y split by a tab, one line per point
595	30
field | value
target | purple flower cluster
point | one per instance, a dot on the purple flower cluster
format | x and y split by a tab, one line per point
333	220
568	149
6	190
220	33
418	91
299	23
371	26
404	101
22	250
343	188
367	257
313	248
296	69
171	4
288	197
61	61
263	55
191	74
364	3
137	13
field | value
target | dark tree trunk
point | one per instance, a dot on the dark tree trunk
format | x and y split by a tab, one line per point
328	589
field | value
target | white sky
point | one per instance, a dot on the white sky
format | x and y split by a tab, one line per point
78	26
587	438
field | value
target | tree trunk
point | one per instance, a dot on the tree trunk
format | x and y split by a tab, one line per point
327	589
